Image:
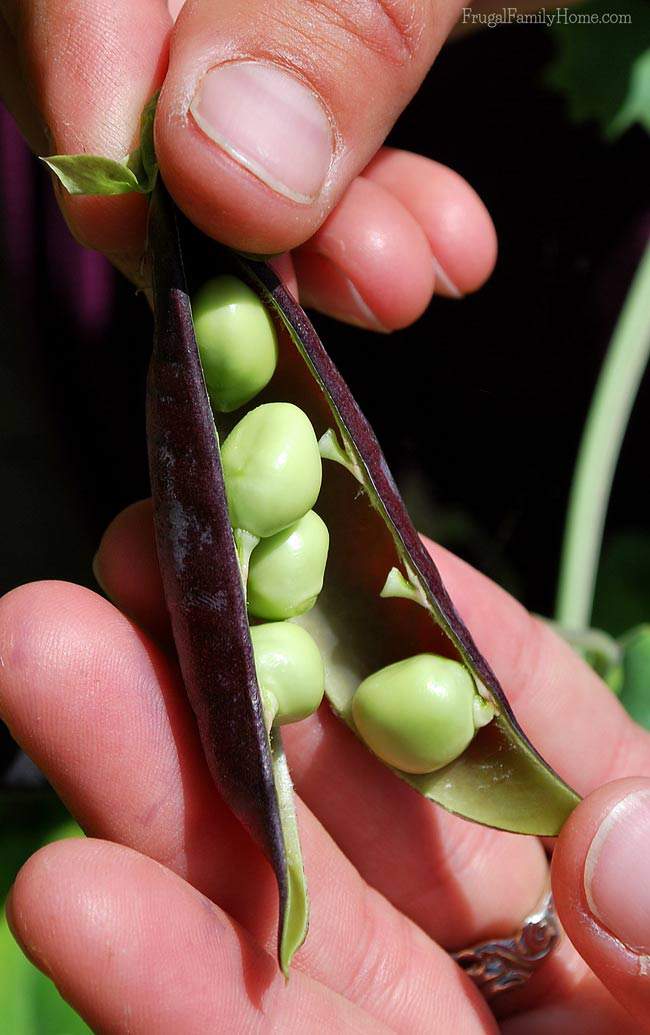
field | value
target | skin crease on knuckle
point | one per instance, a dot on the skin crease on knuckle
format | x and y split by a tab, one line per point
392	28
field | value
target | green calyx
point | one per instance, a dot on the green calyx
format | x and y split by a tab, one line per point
271	468
237	342
136	173
396	585
419	714
331	449
286	570
290	671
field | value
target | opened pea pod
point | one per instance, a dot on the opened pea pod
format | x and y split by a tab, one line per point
289	564
331	551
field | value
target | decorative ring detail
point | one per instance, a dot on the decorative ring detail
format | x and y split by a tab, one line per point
504	963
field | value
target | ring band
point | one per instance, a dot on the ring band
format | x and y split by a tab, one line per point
505	963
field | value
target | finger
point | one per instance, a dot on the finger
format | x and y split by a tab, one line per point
102	713
602	892
549	679
91	68
571	716
569	713
134	948
459	881
455	221
126	568
264	120
369	264
393	237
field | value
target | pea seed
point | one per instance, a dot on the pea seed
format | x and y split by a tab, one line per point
290	670
419	714
272	468
286	571
237	342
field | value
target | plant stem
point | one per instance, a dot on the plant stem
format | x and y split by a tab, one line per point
602	439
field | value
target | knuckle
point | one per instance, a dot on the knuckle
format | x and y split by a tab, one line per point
393	29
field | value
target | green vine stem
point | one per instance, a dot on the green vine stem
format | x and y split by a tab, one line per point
602	438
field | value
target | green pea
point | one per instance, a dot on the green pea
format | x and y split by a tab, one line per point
290	671
286	571
419	714
236	339
272	468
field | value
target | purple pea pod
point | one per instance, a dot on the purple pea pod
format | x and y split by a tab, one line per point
366	616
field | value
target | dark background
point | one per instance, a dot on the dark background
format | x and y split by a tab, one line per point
479	407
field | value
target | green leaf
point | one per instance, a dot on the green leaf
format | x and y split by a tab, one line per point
147	148
95	175
92	174
602	67
635	691
142	161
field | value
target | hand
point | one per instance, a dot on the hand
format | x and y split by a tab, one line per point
376	231
167	922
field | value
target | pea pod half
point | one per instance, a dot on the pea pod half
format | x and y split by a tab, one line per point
365	617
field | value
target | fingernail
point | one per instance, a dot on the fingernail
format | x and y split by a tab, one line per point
270	122
443	284
340	298
616	871
355	310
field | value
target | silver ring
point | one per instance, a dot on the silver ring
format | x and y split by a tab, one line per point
505	963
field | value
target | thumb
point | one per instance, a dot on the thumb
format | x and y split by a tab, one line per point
268	112
602	890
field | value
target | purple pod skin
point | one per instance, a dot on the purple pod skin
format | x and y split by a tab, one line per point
200	572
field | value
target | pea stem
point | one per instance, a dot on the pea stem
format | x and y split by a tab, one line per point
600	446
269	707
245	543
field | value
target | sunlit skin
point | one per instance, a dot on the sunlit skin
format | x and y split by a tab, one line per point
464	882
134	924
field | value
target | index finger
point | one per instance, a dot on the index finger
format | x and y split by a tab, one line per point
570	715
